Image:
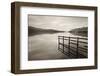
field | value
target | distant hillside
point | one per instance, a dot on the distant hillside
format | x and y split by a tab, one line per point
80	31
36	31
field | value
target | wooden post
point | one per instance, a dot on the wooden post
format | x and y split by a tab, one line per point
58	42
69	47
77	54
63	44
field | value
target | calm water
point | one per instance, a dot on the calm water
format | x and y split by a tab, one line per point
45	46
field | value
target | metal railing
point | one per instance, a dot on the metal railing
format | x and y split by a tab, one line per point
73	47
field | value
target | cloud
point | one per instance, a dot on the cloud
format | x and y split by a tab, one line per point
57	22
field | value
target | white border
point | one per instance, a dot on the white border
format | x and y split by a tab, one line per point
25	64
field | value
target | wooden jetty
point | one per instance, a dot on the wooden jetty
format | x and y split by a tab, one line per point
73	47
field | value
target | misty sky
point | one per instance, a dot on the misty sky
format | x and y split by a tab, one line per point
63	23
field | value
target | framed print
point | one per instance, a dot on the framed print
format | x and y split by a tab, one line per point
52	37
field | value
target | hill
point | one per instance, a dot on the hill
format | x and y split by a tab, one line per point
36	31
80	31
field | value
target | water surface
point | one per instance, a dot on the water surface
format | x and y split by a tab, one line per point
45	46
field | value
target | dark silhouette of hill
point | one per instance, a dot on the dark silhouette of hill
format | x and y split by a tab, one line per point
36	31
80	31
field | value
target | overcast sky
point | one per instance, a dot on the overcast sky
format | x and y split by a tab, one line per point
63	23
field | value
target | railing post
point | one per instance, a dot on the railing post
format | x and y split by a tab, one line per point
58	43
63	44
77	54
69	47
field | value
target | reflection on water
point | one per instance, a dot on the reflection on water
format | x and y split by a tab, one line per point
45	46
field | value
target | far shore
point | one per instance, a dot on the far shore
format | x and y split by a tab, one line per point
36	31
80	31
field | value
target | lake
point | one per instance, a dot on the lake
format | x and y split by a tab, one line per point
45	46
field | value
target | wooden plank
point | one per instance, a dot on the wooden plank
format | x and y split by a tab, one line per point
73	43
83	48
73	40
82	42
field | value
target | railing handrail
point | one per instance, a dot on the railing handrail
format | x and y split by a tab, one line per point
74	37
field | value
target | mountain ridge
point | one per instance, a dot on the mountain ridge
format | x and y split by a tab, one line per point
36	31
